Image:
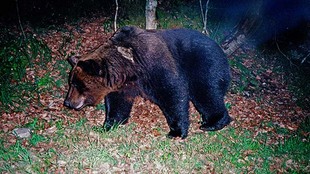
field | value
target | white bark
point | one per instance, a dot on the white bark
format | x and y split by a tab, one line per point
115	17
150	14
204	16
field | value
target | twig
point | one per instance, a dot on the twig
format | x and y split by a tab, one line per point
291	63
19	21
115	17
206	18
304	59
203	19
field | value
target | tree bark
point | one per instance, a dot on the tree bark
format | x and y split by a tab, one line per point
239	35
150	14
244	29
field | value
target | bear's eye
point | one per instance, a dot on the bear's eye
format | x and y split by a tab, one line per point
77	84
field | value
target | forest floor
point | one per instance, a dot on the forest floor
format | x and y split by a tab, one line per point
265	135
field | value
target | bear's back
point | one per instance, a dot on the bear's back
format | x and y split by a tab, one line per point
190	46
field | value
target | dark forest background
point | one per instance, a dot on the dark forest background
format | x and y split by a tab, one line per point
287	18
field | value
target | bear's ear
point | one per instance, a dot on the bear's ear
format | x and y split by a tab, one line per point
124	35
127	29
126	53
73	60
120	37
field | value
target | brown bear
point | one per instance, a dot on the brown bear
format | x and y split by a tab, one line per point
168	67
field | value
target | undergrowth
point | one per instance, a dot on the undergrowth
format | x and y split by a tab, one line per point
244	77
295	75
16	56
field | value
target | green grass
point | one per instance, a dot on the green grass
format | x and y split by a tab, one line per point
78	147
20	156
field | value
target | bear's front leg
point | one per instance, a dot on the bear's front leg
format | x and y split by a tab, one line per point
118	106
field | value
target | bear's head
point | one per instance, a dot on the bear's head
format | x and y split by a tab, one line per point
95	75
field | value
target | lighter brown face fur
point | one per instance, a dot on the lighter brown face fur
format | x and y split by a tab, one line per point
98	73
85	89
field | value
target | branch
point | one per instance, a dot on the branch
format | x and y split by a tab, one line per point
19	21
203	19
115	17
204	16
304	59
291	63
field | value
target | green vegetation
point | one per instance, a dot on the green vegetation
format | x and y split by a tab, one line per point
21	155
182	16
16	56
245	78
297	77
231	150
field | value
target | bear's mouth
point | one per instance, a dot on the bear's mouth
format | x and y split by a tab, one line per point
83	103
79	106
76	105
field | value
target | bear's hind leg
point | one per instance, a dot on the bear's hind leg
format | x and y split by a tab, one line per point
213	112
175	110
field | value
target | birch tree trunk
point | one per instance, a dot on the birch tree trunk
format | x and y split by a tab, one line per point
150	14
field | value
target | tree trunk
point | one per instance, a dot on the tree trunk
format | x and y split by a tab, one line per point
239	35
245	28
150	14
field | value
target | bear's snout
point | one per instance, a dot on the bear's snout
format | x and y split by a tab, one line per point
67	104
